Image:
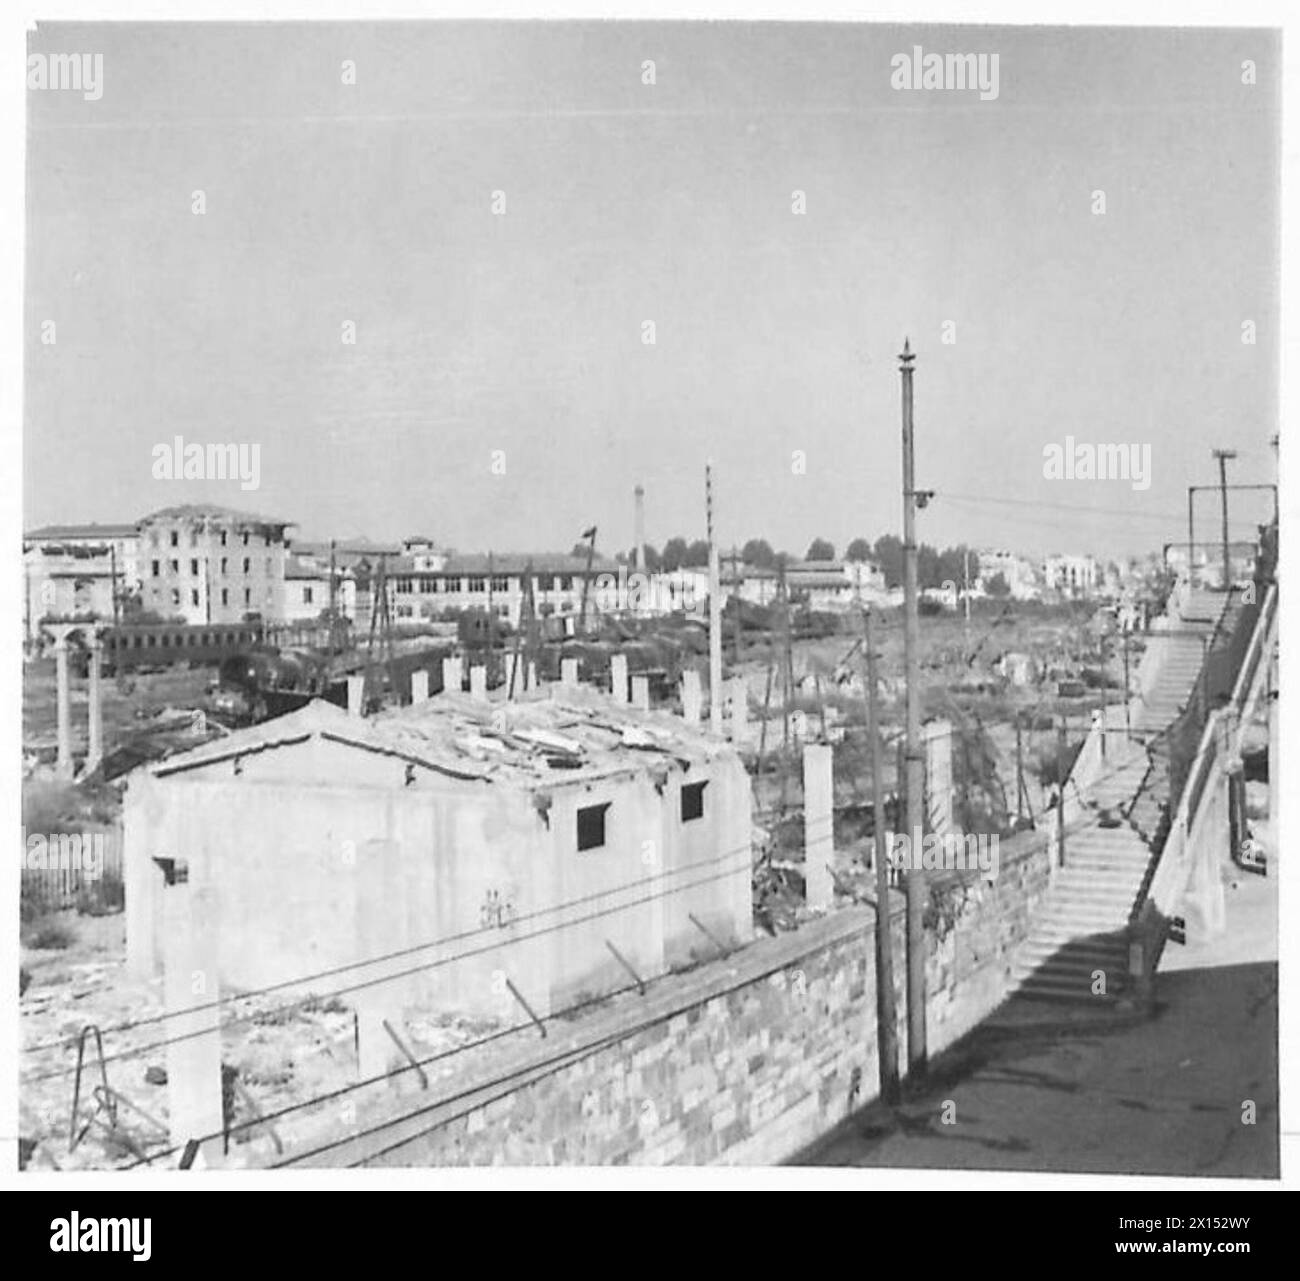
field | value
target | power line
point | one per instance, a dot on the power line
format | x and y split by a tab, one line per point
298	981
407	973
326	1097
1074	508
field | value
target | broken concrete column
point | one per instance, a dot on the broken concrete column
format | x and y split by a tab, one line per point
450	676
818	820
419	686
95	708
514	678
568	671
190	995
64	706
478	682
531	682
356	695
618	677
641	693
692	697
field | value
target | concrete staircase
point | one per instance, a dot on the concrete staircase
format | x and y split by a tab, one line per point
1109	854
1082	928
1183	656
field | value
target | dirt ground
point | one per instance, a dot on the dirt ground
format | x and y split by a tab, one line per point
284	1047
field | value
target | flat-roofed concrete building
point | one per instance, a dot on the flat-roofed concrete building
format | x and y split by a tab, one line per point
76	571
206	564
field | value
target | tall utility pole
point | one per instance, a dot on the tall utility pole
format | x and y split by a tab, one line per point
112	554
915	782
886	1015
735	587
715	610
966	596
1223	455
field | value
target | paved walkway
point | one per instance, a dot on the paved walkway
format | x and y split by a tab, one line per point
1044	1086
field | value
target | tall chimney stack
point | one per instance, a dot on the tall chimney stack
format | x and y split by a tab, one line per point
638	524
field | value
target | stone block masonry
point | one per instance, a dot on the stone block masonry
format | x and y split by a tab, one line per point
745	1060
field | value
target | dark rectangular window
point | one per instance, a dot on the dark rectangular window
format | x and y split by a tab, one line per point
591	826
692	801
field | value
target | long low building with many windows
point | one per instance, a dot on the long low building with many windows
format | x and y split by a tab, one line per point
427	584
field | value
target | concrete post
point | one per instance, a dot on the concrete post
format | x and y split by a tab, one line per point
739	699
568	671
190	993
641	693
531	682
936	737
692	697
618	677
381	931
818	821
64	706
356	695
450	676
95	708
419	686
478	682
514	683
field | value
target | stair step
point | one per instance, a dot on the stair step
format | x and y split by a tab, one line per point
1088	947
1065	974
1101	896
1090	922
1062	992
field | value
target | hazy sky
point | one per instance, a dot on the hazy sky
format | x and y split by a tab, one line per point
627	202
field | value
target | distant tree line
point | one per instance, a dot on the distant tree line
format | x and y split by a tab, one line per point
934	566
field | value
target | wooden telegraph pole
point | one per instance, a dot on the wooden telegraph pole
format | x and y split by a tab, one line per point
1223	455
715	610
915	784
886	1014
